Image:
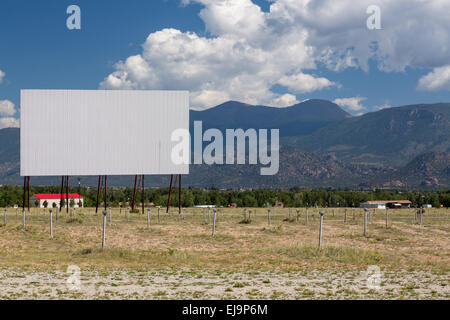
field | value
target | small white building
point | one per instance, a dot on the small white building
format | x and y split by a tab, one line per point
39	199
382	204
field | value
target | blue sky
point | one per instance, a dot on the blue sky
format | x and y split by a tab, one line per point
38	51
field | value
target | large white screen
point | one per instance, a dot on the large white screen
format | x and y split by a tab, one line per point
100	132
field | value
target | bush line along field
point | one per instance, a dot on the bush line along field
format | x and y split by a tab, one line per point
13	195
244	242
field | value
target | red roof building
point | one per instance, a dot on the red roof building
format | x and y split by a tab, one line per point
38	200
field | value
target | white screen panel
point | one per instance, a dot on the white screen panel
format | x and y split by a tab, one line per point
100	132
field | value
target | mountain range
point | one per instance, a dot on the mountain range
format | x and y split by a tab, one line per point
391	136
321	146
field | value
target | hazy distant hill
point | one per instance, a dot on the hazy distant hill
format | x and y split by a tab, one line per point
429	170
299	119
391	136
348	152
9	154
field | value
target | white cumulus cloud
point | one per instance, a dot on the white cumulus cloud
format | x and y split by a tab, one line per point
9	122
2	75
7	108
247	51
351	104
355	106
304	83
285	100
438	79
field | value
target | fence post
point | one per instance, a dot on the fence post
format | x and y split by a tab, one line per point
159	209
298	214
6	209
51	223
387	217
214	223
104	229
365	222
245	214
268	217
345	215
148	218
420	217
110	216
321	228
127	213
24	218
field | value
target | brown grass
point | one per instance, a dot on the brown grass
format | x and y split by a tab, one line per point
186	243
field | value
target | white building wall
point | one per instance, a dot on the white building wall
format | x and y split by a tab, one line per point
372	205
57	201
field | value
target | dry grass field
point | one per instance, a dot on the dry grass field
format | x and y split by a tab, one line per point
177	257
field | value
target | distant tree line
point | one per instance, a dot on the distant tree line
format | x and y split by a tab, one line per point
12	195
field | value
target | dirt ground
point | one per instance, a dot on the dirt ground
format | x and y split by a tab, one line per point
178	258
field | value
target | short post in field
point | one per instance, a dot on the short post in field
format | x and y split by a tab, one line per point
104	229
365	222
268	217
298	214
345	215
322	213
420	216
214	223
51	223
159	210
128	213
6	210
110	216
387	218
148	218
24	218
306	216
245	214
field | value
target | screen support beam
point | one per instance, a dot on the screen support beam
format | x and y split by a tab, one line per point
170	192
